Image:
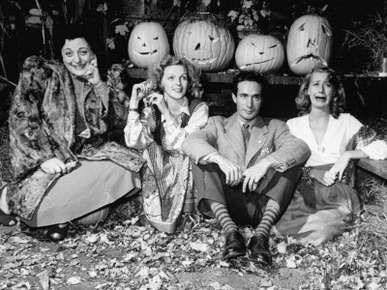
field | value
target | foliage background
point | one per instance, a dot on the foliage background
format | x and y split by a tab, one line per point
112	21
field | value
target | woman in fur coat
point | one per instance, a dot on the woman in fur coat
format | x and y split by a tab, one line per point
64	167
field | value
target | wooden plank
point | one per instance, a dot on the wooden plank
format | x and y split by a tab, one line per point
378	167
227	76
224	77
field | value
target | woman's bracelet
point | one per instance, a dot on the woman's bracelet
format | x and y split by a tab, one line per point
306	174
133	110
100	86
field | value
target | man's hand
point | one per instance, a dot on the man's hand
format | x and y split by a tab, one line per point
232	171
254	174
54	165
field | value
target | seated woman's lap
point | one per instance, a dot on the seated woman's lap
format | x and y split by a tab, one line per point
90	186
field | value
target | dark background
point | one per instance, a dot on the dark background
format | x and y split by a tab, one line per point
21	36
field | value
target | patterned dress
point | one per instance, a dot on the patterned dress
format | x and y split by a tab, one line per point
167	180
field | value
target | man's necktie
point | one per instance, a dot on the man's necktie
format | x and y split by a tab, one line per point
246	133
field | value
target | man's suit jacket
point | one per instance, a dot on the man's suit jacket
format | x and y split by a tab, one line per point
269	138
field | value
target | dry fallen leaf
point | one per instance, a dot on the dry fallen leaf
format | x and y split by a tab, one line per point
281	248
155	283
44	279
73	280
291	262
18	240
199	247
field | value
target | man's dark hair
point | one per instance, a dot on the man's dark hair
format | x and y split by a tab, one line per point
248	76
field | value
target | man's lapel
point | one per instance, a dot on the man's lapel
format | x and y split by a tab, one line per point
257	139
233	133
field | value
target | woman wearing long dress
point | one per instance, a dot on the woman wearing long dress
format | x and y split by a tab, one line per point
64	167
172	110
326	202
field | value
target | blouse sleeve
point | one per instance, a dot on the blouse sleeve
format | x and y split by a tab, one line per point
175	134
353	125
138	130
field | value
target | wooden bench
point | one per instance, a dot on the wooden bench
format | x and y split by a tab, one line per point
377	167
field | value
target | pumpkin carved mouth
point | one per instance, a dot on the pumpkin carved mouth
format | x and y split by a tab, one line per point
200	61
255	63
304	57
147	53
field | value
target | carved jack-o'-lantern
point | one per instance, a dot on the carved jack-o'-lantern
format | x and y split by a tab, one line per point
148	44
259	53
309	42
207	45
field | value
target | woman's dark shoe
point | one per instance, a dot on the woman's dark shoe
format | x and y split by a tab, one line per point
235	245
259	250
6	219
57	233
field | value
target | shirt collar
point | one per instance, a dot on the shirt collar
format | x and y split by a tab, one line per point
184	109
251	123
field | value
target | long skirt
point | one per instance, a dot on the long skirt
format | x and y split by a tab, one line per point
92	185
334	211
167	181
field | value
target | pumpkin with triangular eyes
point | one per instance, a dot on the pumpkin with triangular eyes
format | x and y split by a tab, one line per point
148	44
206	44
260	53
309	43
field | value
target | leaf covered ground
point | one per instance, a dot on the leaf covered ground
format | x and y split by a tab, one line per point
127	253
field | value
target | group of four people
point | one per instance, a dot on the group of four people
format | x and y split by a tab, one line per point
242	170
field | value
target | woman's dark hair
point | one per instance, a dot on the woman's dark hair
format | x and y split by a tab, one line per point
337	104
194	90
73	31
250	77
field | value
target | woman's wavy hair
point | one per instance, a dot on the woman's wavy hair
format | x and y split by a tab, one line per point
156	73
337	104
194	90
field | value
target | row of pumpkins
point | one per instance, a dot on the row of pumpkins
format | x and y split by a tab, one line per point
210	47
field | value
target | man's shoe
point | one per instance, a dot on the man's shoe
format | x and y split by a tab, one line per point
235	245
259	250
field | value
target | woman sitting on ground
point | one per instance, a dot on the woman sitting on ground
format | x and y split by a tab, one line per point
63	165
170	110
325	201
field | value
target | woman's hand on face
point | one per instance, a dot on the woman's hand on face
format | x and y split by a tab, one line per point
158	100
54	165
92	75
141	90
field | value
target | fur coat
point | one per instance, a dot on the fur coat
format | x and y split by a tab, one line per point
43	124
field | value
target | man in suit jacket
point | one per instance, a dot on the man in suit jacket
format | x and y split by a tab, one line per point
245	176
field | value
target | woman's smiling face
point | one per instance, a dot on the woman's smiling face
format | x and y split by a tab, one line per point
76	55
175	81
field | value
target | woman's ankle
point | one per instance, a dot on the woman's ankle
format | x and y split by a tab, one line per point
3	201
